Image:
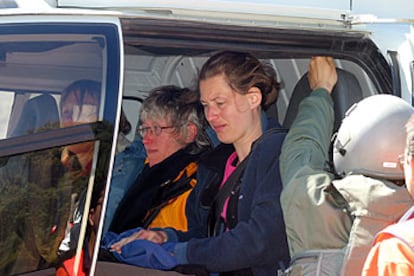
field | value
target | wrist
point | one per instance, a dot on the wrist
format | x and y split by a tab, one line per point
162	235
323	85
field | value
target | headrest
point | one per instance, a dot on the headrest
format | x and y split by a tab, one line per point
38	114
346	92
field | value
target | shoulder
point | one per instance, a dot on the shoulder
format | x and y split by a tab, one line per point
389	257
134	150
393	250
401	231
266	150
271	139
272	134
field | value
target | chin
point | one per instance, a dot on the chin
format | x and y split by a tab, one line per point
81	148
153	161
225	140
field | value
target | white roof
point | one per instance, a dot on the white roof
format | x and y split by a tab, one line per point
290	8
396	9
281	13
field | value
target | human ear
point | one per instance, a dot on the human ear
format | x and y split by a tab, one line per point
91	217
191	133
254	96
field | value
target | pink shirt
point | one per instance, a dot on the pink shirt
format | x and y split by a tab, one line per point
228	170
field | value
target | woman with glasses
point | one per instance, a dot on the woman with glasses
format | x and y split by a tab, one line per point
172	130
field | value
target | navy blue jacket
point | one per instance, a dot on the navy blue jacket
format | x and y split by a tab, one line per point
258	241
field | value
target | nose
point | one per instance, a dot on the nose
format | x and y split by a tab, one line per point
148	137
210	113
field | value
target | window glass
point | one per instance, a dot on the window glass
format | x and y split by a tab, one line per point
131	107
56	119
45	73
40	204
6	100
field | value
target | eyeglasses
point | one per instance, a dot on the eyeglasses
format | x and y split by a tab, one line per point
154	130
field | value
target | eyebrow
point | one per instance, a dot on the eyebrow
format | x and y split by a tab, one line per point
212	100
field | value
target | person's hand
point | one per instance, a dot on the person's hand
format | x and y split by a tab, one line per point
154	236
147	254
157	236
322	73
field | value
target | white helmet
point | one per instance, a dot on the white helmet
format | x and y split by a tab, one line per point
372	137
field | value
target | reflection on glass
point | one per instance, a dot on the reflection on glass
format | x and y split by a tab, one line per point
79	103
6	100
38	208
39	113
37	68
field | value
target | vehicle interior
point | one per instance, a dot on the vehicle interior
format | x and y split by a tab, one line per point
35	69
157	55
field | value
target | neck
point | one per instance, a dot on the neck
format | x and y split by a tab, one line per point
244	145
85	158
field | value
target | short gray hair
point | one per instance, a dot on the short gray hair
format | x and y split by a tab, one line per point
180	106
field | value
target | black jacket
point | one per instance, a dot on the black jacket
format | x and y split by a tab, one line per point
149	191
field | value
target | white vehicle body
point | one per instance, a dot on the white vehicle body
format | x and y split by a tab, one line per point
131	47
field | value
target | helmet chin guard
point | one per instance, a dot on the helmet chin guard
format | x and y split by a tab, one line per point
372	137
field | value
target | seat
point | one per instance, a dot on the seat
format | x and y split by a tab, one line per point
35	175
346	92
39	113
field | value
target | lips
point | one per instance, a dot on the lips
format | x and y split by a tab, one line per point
218	128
